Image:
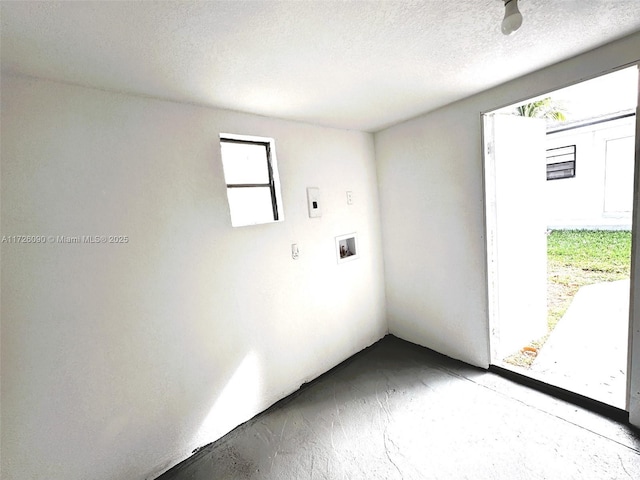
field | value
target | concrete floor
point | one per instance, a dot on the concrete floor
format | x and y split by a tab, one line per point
398	411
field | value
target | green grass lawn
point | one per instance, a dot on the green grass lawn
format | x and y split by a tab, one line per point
607	252
576	258
583	257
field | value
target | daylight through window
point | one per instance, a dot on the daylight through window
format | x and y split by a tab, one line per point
251	177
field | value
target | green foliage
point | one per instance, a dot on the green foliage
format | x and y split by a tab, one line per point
591	250
545	108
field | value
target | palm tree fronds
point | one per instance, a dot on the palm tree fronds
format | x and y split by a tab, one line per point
544	108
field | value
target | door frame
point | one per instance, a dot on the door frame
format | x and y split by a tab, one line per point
633	352
633	358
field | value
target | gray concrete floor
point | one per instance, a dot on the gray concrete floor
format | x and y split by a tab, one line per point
398	411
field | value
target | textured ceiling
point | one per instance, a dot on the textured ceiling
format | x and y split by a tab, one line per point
351	64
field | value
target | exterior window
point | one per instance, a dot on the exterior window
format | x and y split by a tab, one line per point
561	162
250	172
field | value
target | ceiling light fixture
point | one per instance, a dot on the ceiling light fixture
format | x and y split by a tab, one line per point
512	17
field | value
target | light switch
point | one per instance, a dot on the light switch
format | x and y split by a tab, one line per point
295	252
313	201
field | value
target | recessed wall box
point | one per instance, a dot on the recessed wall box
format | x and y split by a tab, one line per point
347	247
313	201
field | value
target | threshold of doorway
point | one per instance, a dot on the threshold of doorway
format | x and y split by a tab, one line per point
580	400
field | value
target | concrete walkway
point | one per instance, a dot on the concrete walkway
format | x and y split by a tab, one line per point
587	351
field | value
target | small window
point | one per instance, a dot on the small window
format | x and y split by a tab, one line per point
251	175
561	162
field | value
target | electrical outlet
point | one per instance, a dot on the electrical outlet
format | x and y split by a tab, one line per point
349	198
295	252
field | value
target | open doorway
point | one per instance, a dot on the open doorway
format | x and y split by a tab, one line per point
559	172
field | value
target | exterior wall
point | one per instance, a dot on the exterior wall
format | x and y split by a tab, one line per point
600	196
118	360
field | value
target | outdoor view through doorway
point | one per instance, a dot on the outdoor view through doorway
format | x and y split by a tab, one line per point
559	172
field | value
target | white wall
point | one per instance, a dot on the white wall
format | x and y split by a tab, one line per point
119	359
579	202
430	177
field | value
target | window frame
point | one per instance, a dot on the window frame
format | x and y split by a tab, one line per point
273	177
